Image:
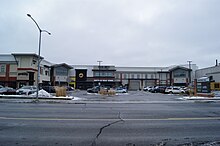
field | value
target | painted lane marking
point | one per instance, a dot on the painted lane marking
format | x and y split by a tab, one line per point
113	119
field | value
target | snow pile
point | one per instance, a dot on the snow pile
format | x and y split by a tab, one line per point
42	93
193	97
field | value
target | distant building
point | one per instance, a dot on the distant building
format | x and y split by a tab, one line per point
138	77
20	69
86	76
134	78
180	76
8	70
212	72
60	74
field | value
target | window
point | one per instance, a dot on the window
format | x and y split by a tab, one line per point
34	61
46	73
61	71
117	76
152	76
41	70
216	85
179	73
145	76
2	69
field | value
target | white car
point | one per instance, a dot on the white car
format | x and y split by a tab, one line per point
26	90
174	90
148	88
120	90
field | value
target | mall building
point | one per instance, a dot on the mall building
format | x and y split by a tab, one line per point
19	69
134	78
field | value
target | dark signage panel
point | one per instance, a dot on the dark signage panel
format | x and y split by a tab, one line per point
203	87
81	74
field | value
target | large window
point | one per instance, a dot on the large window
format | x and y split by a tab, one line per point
61	71
179	73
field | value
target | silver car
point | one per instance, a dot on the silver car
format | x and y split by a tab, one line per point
26	90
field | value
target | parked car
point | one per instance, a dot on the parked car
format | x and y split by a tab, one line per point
69	88
7	91
49	89
120	90
1	86
174	90
94	89
26	90
159	89
147	88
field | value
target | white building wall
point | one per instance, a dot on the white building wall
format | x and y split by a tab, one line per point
211	71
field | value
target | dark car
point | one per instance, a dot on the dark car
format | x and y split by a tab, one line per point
49	89
158	89
95	89
7	91
161	89
69	88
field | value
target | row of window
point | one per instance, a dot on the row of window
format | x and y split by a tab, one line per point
128	76
104	74
137	76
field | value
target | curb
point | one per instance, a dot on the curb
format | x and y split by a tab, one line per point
29	97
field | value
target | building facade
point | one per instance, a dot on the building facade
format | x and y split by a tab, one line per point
87	76
8	70
20	69
134	78
60	74
212	72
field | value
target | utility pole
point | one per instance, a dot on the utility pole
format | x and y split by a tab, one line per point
99	72
189	71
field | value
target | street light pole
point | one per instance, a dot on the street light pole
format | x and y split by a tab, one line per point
189	71
39	46
99	72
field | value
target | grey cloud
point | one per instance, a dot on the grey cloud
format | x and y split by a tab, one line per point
120	32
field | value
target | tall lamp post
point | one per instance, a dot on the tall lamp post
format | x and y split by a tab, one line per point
189	71
99	72
38	65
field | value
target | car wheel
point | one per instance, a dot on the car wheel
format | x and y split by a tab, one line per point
170	92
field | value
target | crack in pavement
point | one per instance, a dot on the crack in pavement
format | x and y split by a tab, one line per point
102	128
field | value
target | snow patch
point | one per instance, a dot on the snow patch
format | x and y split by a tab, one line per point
42	93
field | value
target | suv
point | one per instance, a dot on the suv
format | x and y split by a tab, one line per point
174	90
26	90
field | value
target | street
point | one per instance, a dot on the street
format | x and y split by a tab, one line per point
166	121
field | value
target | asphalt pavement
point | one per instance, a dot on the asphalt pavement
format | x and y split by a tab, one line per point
133	119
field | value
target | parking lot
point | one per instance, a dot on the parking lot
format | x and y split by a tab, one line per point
130	96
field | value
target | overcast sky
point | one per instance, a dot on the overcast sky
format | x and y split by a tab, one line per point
118	32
